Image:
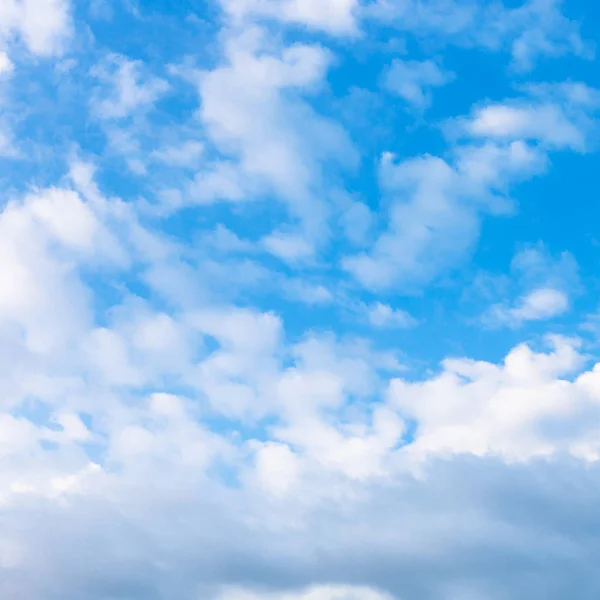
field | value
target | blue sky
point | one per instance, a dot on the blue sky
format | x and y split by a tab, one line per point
299	299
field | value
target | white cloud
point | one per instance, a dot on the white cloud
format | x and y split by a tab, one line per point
412	80
43	25
329	455
540	29
437	205
436	209
186	154
277	468
6	65
127	88
534	30
556	116
224	240
546	286
7	147
522	408
327	592
182	446
101	9
547	123
537	305
253	109
334	16
319	430
121	101
41	291
289	247
541	304
220	181
356	220
383	315
307	292
236	378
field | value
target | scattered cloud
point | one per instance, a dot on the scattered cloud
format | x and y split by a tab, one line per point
6	65
383	315
337	17
44	26
535	30
436	208
187	154
280	144
127	88
412	80
546	286
206	386
539	304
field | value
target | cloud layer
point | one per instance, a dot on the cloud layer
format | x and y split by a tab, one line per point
296	302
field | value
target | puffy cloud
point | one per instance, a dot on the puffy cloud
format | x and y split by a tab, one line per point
118	455
6	65
546	287
277	468
383	315
436	209
333	16
182	155
279	143
436	205
169	430
304	291
43	25
507	122
128	89
542	303
237	377
542	30
380	537
525	407
532	31
546	123
42	294
556	116
412	80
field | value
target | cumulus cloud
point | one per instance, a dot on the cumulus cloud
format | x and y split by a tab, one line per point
35	272
186	410
383	315
330	422
506	122
546	284
539	304
436	204
304	291
126	89
522	408
280	144
333	16
412	80
534	30
182	155
6	65
387	528
556	116
43	25
435	210
126	92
